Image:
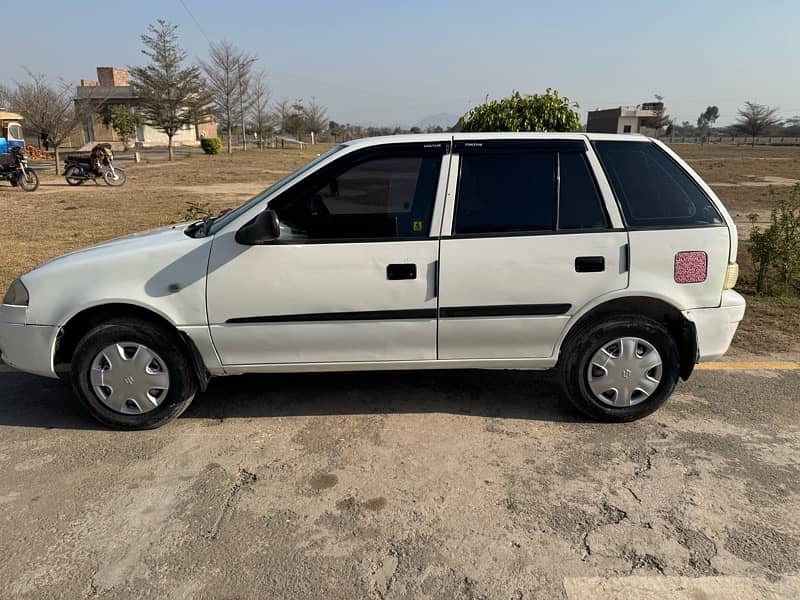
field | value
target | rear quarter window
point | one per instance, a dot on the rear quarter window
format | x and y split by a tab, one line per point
652	189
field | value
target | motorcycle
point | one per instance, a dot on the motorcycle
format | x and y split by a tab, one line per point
99	164
14	168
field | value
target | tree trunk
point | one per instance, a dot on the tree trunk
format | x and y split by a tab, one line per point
230	135
169	146
55	149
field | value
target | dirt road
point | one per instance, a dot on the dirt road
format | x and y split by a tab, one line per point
404	485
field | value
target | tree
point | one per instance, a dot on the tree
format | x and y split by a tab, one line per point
296	120
48	109
122	121
282	110
260	116
171	96
755	119
315	115
706	121
228	72
335	129
530	112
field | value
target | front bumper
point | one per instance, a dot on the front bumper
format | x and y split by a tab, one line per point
716	326
26	347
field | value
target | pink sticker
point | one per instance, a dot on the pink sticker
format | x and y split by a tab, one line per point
691	267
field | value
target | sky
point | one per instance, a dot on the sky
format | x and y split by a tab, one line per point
387	63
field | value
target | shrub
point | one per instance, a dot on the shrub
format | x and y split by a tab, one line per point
536	112
776	249
211	145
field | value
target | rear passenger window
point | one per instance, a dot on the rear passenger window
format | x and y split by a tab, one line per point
506	192
580	205
652	189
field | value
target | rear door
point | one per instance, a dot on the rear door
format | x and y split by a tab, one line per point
527	243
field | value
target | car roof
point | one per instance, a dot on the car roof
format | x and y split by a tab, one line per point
493	135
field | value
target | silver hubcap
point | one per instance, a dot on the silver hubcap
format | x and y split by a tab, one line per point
129	378
625	372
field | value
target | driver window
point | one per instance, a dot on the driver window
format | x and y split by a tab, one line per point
380	198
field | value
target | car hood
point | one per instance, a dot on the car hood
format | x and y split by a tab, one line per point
141	240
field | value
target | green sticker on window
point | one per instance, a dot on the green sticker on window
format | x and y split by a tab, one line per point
416	225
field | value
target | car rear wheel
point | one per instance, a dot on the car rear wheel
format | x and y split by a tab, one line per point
620	369
132	374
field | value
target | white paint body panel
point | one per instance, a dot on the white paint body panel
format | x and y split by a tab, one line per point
537	269
166	272
283	279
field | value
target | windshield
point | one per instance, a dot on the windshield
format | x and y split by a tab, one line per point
15	131
235	214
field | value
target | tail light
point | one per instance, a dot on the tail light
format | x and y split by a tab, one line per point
731	276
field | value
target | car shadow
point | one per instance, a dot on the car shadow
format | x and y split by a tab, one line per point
30	401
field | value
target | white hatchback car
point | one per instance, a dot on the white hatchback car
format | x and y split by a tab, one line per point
605	256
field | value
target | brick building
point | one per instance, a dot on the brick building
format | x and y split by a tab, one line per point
110	88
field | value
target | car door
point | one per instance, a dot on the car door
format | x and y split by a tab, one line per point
352	276
527	244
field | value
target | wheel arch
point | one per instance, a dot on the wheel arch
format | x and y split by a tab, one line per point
682	330
81	322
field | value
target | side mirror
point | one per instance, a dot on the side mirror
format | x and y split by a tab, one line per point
264	228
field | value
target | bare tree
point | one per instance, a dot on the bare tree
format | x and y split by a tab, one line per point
755	119
171	96
49	109
228	71
316	116
282	110
260	116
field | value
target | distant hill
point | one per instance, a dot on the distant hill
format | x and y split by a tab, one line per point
445	120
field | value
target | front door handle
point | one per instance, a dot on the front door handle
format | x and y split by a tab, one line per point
401	271
590	264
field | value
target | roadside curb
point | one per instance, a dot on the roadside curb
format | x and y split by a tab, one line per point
763	365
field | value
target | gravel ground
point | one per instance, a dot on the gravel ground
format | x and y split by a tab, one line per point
404	485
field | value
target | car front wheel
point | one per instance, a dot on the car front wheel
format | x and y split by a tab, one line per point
132	374
620	369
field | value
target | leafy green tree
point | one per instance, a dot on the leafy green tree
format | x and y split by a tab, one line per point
755	119
529	112
122	121
706	121
172	96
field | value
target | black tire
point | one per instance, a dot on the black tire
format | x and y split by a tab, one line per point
29	181
121	177
167	344
581	346
72	175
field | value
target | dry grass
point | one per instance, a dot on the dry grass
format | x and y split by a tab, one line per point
58	218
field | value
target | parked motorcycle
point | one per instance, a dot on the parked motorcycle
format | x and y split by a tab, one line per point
99	164
14	168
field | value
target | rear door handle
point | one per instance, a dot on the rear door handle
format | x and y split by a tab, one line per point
590	264
401	271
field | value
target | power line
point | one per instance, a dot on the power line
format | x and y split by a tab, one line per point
196	22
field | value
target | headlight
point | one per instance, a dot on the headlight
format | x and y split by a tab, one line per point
17	294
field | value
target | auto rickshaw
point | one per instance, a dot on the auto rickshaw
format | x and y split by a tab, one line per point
13	163
10	131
